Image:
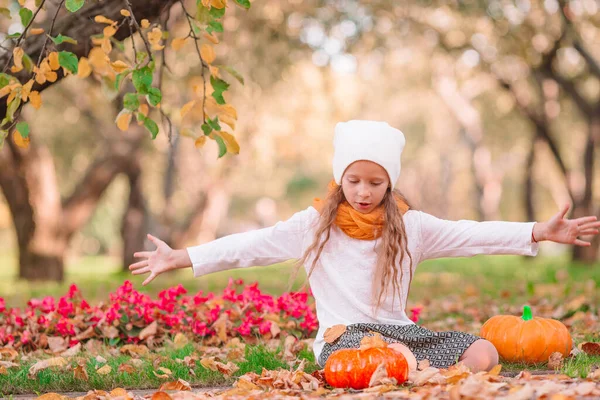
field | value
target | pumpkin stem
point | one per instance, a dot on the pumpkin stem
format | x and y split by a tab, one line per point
527	313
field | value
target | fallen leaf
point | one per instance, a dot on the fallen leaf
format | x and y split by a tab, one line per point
73	351
3	371
376	340
166	373
423	364
8	354
225	369
136	362
52	396
100	360
380	377
135	350
180	340
161	396
50	362
104	370
555	361
80	373
179	384
591	348
57	344
126	368
333	333
150	330
120	392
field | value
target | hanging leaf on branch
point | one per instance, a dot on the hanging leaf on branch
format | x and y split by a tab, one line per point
128	43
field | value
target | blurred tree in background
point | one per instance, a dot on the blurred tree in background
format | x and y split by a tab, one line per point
499	101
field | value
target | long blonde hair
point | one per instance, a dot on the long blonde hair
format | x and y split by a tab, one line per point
393	240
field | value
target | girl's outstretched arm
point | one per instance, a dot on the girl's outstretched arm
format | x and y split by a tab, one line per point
280	242
562	230
161	260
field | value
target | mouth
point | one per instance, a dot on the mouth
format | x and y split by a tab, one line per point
364	206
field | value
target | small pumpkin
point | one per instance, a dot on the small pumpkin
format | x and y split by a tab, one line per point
354	367
527	339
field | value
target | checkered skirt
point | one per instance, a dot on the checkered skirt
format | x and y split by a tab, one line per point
442	349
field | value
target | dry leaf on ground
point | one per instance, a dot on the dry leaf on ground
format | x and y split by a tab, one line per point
555	361
50	362
104	370
591	348
179	384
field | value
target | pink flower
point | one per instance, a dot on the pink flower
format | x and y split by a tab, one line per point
414	313
25	337
264	327
2	305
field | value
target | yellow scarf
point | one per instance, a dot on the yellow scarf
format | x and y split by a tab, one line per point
355	224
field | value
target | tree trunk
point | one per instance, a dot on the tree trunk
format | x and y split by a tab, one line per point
28	182
134	226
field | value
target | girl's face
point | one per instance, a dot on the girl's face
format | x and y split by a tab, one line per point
364	184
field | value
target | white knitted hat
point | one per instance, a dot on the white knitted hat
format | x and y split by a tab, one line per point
367	140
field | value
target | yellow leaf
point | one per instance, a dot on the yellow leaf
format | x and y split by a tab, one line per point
219	4
214	71
145	23
109	31
40	78
200	142
206	3
211	37
106	45
103	20
53	61
36	31
154	37
12	96
226	119
178	43
187	107
26	89
35	99
84	70
123	120
98	59
230	142
51	76
50	362
3	371
125	13
22	3
143	109
18	54
105	370
207	53
119	66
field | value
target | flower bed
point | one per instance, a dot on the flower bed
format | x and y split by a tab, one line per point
133	317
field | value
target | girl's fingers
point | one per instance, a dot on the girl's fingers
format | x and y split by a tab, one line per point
584	220
155	240
141	271
149	279
590	225
138	265
146	254
588	232
579	242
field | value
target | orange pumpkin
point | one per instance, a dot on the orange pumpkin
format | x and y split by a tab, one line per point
354	367
527	339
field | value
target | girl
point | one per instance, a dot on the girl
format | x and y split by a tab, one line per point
360	247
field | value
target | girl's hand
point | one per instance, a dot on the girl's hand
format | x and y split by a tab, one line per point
163	259
561	230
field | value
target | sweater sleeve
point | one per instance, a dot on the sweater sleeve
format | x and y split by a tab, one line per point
280	242
442	238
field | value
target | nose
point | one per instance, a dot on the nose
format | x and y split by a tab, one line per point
363	192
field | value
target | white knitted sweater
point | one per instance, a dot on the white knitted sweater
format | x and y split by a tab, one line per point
341	281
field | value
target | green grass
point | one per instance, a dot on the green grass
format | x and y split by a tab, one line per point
53	380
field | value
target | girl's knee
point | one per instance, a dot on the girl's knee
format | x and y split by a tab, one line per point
480	356
405	351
